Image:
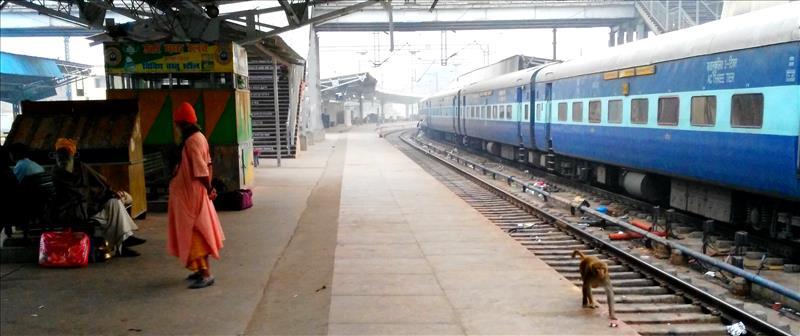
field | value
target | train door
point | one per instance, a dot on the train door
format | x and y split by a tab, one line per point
548	119
532	114
464	115
519	118
454	114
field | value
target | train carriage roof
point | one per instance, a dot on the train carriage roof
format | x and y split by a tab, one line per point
446	93
774	25
513	79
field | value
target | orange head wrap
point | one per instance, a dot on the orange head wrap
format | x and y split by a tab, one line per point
185	113
67	144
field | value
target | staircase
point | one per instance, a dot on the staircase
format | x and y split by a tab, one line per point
262	109
663	16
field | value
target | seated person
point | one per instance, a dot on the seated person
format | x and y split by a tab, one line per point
8	193
25	166
83	195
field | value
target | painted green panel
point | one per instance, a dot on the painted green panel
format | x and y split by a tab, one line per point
244	131
161	132
225	131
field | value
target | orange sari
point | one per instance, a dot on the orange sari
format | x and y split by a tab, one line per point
194	228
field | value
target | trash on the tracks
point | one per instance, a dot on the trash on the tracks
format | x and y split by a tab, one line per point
711	274
736	329
612	325
525	225
321	288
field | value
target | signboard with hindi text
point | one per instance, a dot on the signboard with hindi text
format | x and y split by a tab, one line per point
174	57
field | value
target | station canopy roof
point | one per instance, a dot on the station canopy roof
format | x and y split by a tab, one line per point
24	77
353	86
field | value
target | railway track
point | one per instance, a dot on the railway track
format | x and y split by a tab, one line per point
649	299
759	241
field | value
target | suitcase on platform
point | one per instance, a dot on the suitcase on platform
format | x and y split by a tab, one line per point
234	200
64	249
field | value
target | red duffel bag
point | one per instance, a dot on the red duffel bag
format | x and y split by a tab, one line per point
64	249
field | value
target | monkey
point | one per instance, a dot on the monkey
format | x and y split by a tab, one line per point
593	274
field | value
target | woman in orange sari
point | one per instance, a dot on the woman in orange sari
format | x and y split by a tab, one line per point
194	228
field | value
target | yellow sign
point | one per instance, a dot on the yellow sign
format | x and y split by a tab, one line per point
160	57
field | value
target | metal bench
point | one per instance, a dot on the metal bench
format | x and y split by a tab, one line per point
156	175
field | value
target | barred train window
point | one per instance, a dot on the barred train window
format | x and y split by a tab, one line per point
527	113
704	111
508	112
668	110
747	110
483	112
538	112
562	111
577	111
594	111
494	112
639	111
615	111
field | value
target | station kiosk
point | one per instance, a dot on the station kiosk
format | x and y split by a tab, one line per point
211	76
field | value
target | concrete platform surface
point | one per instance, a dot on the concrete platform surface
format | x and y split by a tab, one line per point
413	258
147	295
352	237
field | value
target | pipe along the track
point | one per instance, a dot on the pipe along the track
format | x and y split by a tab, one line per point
527	187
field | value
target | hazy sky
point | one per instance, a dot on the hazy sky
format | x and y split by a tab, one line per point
415	63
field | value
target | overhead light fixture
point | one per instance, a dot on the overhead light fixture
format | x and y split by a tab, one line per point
212	10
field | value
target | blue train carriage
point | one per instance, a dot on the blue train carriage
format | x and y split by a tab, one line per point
705	119
441	110
496	114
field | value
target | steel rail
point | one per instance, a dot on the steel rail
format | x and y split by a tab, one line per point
730	312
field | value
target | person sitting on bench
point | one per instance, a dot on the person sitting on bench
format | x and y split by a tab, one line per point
83	196
24	166
9	193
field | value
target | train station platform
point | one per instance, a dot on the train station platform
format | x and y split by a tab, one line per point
350	238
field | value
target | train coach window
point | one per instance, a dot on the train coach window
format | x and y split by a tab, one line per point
704	111
494	112
483	112
747	110
615	111
527	113
508	112
562	111
639	111
594	111
577	111
538	112
668	110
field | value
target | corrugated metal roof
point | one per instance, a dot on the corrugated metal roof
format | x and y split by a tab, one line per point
13	64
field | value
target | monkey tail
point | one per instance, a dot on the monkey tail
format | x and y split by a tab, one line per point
576	252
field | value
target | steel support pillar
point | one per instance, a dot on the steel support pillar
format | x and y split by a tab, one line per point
629	31
554	43
641	30
67	58
312	109
611	37
278	146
